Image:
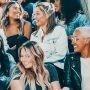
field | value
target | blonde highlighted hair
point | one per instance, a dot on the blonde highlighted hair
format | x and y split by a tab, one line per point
32	74
49	9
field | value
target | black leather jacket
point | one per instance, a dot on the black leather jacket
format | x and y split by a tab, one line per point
6	63
72	70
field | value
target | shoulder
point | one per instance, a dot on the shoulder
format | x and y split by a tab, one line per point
59	29
26	23
72	57
15	73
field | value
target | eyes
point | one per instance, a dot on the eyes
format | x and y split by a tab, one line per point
25	56
75	38
15	7
37	13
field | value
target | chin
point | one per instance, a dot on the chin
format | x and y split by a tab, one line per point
75	50
28	66
38	25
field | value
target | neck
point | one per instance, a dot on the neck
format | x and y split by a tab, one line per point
12	22
86	52
44	28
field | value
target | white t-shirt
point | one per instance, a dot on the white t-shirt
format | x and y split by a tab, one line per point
85	72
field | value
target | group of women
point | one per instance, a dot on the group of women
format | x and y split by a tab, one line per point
38	60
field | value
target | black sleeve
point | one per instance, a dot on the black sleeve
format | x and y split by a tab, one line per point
67	72
52	72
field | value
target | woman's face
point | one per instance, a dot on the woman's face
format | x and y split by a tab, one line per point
57	5
41	17
14	11
27	58
79	42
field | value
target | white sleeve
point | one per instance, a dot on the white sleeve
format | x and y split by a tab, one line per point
61	46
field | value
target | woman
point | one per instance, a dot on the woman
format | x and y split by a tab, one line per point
6	63
77	65
30	73
51	37
59	17
14	25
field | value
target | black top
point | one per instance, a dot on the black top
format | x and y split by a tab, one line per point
12	40
17	40
72	72
52	72
4	70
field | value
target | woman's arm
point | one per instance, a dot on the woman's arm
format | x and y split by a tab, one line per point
27	29
16	85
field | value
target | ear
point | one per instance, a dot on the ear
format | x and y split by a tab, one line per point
87	41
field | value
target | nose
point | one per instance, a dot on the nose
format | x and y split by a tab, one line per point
22	59
19	11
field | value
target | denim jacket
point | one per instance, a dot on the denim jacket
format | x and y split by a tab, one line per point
54	44
6	64
77	21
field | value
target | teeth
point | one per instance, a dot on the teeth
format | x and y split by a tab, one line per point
18	15
75	46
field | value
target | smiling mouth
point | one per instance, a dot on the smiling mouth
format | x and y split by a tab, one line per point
75	47
17	15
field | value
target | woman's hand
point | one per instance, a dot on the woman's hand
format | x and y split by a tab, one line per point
55	85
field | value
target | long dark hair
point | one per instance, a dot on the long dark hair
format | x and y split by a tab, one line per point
69	8
2	44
